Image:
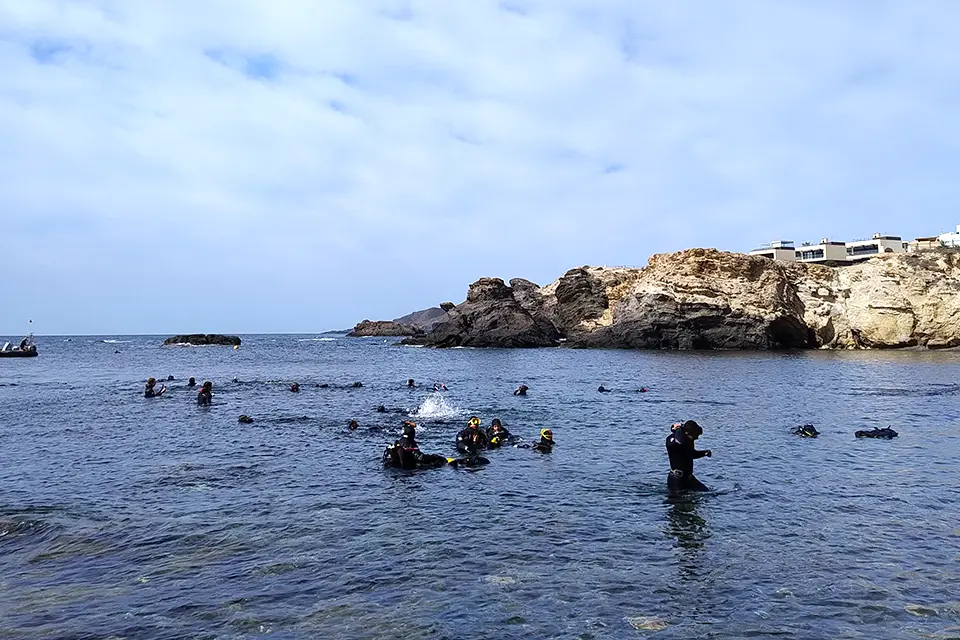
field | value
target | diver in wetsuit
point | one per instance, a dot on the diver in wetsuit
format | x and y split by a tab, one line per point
545	444
497	435
205	397
406	454
682	453
472	439
150	390
521	390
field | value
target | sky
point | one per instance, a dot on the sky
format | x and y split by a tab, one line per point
242	166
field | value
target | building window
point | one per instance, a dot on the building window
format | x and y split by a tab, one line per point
812	255
862	250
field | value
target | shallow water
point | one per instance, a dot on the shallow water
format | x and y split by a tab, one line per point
122	517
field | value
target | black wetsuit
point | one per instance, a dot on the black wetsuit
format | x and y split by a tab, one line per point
204	398
471	440
498	438
543	445
150	392
405	454
682	453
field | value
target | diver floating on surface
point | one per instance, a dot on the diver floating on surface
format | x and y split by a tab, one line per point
806	431
883	434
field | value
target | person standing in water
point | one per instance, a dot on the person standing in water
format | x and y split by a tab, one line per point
682	453
151	391
205	397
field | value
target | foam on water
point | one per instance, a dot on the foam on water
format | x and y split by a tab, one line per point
316	340
436	406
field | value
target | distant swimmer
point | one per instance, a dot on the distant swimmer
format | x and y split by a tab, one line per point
245	419
405	453
521	390
439	386
353	425
806	431
295	387
643	389
357	385
545	443
682	453
236	379
884	434
170	378
205	397
603	389
471	439
323	386
411	384
151	391
381	409
497	435
192	382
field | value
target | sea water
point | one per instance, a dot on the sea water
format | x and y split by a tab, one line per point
126	517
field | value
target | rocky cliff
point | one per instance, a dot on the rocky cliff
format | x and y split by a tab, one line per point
707	299
382	328
203	339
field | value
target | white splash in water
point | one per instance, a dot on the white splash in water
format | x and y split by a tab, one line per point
115	341
436	406
316	339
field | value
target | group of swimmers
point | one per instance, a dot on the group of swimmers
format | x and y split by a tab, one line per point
204	396
470	442
405	453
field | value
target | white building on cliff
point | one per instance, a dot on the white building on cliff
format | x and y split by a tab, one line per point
833	252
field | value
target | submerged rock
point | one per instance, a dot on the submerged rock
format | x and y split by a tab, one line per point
203	339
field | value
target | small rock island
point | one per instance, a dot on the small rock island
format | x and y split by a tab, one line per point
203	339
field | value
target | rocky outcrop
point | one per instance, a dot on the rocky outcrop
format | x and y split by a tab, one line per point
203	339
424	319
707	299
382	328
492	316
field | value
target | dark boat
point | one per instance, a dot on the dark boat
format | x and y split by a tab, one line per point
27	349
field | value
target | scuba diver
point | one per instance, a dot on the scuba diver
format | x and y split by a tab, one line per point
295	387
205	397
681	451
406	454
521	390
497	435
439	386
472	439
245	419
150	390
353	425
806	431
884	434
381	409
545	443
357	385
192	382
411	384
603	389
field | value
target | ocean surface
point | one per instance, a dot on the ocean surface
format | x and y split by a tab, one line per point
126	517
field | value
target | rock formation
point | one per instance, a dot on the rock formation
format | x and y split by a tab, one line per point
707	299
424	319
383	328
203	339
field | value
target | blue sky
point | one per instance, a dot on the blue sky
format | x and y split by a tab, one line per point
249	166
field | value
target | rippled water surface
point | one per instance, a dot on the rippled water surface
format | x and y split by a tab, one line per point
122	517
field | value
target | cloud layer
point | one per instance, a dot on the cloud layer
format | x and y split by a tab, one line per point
297	166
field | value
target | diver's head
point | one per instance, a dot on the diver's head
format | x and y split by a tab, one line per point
151	382
474	422
409	429
353	425
192	381
410	382
546	434
207	386
692	429
496	424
